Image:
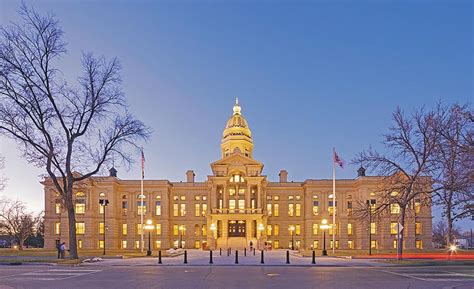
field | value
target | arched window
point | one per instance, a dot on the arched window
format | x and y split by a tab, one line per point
102	194
141	209
349	204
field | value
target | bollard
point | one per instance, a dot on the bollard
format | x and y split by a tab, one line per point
220	251
236	257
287	257
254	251
261	258
185	257
245	251
314	258
159	257
210	257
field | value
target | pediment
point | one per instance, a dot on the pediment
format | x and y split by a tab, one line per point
236	161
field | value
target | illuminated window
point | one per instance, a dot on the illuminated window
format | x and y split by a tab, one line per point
197	198
80	228
395	243
101	209
197	210
276	230
80	204
315	208
298	197
315	229
290	197
241	205
373	205
349	229
419	244
175	198
269	209
124	205
269	197
297	230
276	210
331	228
393	228
57	228
101	244
204	198
158	208
276	198
204	230
373	228
139	229
197	244
137	244
57	208
158	244
395	208
315	244
276	244
124	244
291	210
349	207
331	244
298	210
418	228
141	209
350	244
232	205
331	207
417	206
124	229
182	198
204	209
394	194
269	230
79	244
175	210
373	244
175	230
158	229
101	228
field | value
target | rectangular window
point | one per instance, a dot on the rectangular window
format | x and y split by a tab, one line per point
291	210
331	228
197	244
204	230
158	244
349	229
349	207
298	210
276	210
373	228
182	198
417	206
373	244
331	244
395	208
158	229
315	208
57	228
276	244
197	210
276	198
80	208
269	230
139	229
175	230
350	244
419	244
315	229
101	228
124	229
373	205
124	207
124	244
269	209
290	197
297	230
393	228
101	244
395	242
79	244
137	244
204	209
276	230
141	209
242	205
182	210
418	228
158	208
315	244
58	208
330	207
175	210
197	198
80	228
298	197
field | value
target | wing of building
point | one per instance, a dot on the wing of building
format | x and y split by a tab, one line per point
235	207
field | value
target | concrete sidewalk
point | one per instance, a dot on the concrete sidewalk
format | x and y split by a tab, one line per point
271	258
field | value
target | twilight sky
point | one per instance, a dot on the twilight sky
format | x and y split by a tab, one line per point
309	76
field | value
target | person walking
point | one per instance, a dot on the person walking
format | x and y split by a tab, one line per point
58	248
62	250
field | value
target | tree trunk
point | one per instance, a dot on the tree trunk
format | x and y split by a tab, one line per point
449	237
72	230
400	242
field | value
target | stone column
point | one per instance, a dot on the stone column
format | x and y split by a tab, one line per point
225	198
247	196
213	197
259	198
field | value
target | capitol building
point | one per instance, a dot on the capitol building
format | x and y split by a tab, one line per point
234	207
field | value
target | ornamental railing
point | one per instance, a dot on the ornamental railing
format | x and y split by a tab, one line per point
236	211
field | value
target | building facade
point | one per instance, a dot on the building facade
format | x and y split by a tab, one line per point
235	207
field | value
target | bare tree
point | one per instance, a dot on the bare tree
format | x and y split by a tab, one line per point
405	166
2	178
454	160
441	234
16	221
70	131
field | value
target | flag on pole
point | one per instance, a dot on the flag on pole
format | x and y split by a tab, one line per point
338	160
143	164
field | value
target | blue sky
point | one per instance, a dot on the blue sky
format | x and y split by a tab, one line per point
309	75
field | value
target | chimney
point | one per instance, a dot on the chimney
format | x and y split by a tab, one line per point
190	176
283	176
361	172
113	172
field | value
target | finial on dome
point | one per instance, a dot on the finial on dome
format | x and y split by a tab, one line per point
237	108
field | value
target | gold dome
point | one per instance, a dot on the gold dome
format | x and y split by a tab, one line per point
237	133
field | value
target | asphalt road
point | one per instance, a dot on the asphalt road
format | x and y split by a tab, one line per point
197	277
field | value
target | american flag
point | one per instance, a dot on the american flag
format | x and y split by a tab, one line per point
143	165
338	160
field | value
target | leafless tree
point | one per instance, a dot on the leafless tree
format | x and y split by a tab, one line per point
2	178
441	234
69	130
454	160
16	221
405	166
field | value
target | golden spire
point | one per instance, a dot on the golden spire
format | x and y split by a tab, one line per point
237	108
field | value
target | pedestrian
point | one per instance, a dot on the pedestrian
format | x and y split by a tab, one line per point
58	248
62	249
251	246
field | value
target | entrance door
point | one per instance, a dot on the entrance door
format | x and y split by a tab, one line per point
236	229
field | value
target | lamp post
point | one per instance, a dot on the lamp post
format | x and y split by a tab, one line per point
181	229
103	203
149	226
260	229
324	227
370	226
213	232
292	230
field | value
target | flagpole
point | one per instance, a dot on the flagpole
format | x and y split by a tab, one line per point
141	205
333	200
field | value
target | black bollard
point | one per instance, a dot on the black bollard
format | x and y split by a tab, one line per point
159	257
314	258
210	257
185	257
261	258
245	251
236	257
287	257
220	251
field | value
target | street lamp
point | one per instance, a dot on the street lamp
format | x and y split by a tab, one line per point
181	229
292	230
104	203
149	226
324	227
